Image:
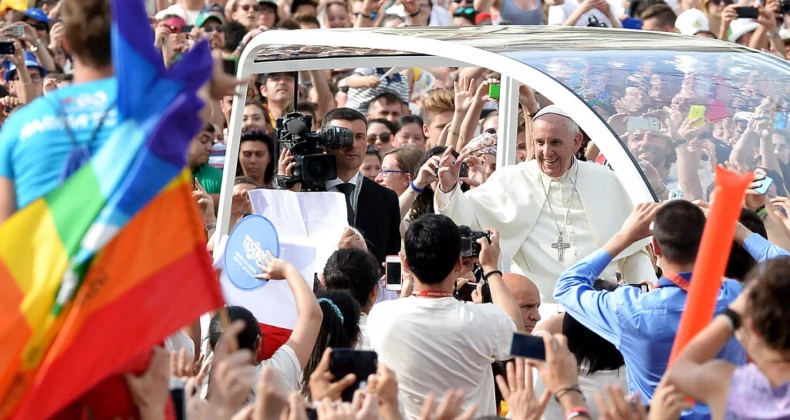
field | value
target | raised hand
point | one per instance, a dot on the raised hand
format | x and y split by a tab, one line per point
449	170
232	372
519	394
619	405
181	367
321	385
449	409
465	89
150	391
273	268
637	226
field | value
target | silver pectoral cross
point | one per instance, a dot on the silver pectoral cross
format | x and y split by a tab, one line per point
560	246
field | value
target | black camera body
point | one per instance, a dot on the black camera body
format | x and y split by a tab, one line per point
313	167
469	245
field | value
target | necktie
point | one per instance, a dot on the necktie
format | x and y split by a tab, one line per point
347	189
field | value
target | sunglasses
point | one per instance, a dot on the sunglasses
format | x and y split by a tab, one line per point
210	29
247	7
464	11
384	137
718	2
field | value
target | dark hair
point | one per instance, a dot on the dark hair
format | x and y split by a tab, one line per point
306	107
678	231
87	26
355	270
306	18
389	98
662	13
261	136
423	204
343	114
433	247
234	34
590	348
295	4
637	7
768	302
334	333
244	180
247	337
387	123
408	119
288	24
741	262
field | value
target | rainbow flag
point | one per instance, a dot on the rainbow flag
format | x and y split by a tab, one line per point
113	260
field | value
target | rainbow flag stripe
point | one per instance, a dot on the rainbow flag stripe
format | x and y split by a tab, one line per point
115	256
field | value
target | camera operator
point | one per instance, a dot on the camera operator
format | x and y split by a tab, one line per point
434	342
372	209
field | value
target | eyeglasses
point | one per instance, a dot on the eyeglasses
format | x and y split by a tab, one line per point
386	172
385	137
210	29
718	2
464	11
247	7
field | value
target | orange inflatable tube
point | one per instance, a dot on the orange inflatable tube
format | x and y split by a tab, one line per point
714	251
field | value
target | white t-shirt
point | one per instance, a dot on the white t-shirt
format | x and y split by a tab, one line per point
284	362
364	341
559	14
434	345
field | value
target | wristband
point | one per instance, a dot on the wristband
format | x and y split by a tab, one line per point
564	391
414	187
577	412
762	212
211	226
734	317
491	273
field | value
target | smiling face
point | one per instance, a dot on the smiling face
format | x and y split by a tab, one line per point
337	17
555	145
650	146
349	159
215	33
391	177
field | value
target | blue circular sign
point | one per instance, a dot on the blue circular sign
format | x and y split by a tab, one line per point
247	244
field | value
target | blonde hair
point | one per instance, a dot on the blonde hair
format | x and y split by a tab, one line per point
435	103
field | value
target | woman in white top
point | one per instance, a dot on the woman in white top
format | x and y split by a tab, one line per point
600	363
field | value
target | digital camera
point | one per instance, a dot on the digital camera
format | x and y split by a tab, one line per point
469	245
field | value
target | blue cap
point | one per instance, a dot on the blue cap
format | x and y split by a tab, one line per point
30	61
38	15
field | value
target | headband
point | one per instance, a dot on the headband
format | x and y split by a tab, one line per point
483	144
332	304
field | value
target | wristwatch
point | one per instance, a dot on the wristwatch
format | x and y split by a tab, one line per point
679	142
733	317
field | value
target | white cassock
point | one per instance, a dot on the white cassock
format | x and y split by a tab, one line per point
513	201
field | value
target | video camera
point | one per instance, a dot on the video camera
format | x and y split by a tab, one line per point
469	245
313	167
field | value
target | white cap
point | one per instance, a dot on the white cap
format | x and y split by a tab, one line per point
784	34
551	109
741	27
692	21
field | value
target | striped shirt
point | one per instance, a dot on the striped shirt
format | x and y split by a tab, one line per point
359	98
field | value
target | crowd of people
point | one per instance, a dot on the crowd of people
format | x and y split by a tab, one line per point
563	245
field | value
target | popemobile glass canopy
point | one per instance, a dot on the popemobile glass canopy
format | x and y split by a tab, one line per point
593	73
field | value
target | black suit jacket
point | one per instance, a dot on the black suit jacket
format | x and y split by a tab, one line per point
378	219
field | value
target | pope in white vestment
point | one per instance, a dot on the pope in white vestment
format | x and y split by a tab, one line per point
545	237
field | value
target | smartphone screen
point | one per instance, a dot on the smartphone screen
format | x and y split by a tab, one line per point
7	48
393	269
642	287
747	12
766	183
464	173
697	112
361	363
528	346
780	120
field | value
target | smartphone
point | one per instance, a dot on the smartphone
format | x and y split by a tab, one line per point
780	121
642	287
7	48
763	188
229	66
528	346
465	292
747	12
643	123
15	31
697	112
393	269
186	29
464	173
493	91
361	363
675	194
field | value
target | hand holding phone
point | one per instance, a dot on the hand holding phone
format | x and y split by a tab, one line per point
360	363
747	12
393	273
493	91
763	188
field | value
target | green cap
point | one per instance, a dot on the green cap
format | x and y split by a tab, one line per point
204	17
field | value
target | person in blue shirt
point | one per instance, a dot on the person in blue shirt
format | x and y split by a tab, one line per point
37	140
643	326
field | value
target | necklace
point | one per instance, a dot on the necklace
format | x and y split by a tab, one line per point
561	245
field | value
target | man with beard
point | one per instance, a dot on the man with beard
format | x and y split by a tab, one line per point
212	27
551	211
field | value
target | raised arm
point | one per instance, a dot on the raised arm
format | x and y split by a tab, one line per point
308	323
500	294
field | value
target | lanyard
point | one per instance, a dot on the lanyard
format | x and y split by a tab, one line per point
432	294
678	281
